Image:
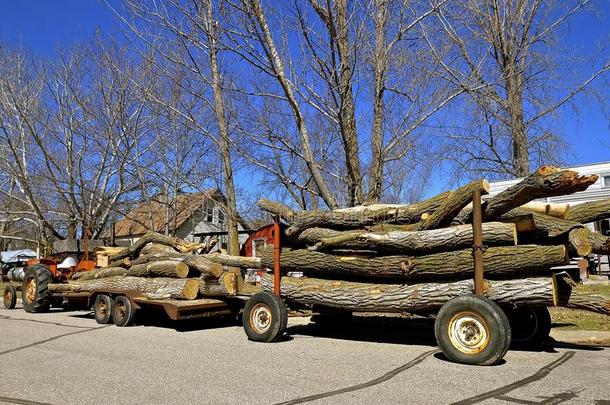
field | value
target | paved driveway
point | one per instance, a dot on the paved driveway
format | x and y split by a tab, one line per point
66	358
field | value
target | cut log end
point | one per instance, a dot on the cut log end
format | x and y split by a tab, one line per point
191	289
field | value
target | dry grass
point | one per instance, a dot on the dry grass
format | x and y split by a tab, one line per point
572	319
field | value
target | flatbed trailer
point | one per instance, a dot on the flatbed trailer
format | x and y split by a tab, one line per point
120	306
470	328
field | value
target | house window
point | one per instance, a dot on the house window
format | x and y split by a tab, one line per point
606	181
221	217
209	214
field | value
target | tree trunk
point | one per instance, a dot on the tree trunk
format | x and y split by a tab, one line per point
234	261
199	263
517	130
154	237
557	210
499	262
544	182
100	273
590	212
545	226
268	44
224	141
380	61
157	288
452	205
427	297
276	209
419	242
361	216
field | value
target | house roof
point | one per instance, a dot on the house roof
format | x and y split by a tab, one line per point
138	220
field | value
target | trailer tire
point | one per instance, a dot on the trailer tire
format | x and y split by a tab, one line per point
102	309
265	317
35	293
10	297
123	311
530	326
472	330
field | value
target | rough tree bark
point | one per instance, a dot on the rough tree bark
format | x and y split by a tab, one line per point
154	237
545	182
361	216
197	263
157	288
420	242
427	297
499	262
590	212
224	141
452	205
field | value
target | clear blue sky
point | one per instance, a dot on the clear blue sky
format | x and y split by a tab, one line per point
42	25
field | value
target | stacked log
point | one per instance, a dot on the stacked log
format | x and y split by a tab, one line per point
160	267
388	257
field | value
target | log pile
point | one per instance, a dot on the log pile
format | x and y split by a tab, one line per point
160	267
388	257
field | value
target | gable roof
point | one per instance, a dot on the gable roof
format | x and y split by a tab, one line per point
138	220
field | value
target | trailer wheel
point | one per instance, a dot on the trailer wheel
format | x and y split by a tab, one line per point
530	326
472	330
102	309
265	317
10	297
122	311
35	292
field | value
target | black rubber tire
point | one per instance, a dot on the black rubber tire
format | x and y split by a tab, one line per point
41	300
102	309
269	309
123	311
10	297
471	314
531	326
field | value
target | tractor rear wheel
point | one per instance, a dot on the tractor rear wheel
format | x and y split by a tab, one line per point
35	292
10	297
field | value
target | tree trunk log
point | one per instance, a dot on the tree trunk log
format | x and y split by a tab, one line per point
545	226
197	263
154	237
499	263
157	288
419	242
580	241
600	244
557	210
99	273
234	261
427	297
364	215
545	182
590	212
276	209
452	205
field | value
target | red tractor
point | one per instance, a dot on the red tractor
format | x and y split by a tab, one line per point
39	273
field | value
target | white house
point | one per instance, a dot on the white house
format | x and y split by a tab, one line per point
184	216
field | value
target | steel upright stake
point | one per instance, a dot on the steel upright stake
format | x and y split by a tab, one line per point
477	247
276	256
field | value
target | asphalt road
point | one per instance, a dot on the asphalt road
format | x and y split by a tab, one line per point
66	358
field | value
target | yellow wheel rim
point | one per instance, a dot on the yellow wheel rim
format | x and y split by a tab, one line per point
468	332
